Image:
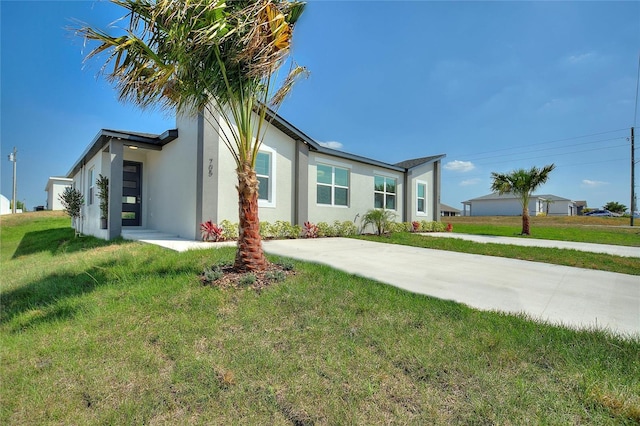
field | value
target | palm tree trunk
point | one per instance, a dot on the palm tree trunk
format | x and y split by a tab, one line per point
249	256
525	221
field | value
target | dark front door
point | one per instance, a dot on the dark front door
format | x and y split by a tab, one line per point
131	193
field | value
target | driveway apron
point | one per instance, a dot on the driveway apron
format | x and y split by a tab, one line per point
573	297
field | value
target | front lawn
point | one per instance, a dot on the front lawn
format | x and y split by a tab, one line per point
93	332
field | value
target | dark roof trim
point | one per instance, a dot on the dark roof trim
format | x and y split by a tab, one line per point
296	134
414	162
140	140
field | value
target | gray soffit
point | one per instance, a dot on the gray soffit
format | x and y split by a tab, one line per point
140	140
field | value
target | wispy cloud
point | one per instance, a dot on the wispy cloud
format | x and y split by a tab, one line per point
593	183
469	182
331	144
580	58
459	166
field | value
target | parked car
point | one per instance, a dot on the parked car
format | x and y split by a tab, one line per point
602	212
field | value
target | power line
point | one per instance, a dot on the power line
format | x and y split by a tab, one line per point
548	142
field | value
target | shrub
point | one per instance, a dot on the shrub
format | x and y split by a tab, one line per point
309	230
209	231
344	229
229	230
103	194
275	276
72	201
415	226
325	230
286	265
266	231
247	279
212	274
379	219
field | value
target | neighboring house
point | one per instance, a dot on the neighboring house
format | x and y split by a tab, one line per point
446	210
5	205
509	205
174	181
580	206
55	187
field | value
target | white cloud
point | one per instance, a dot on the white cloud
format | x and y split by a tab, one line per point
469	182
593	183
459	166
331	144
576	59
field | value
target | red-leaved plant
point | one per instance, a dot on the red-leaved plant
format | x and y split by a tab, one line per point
449	227
415	226
211	232
309	230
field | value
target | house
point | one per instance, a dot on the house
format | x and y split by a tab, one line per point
176	180
55	187
509	205
446	211
5	205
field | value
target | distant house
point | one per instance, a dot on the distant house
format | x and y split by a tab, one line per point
580	206
174	181
446	210
509	205
55	187
5	205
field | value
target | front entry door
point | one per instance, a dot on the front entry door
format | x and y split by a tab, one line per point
131	193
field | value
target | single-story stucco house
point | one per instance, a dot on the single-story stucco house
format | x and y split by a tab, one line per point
174	181
509	205
55	187
448	211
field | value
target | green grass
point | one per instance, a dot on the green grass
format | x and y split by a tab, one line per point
93	332
599	230
580	259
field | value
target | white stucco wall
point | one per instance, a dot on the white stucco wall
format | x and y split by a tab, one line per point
55	187
425	174
5	205
89	221
169	183
361	190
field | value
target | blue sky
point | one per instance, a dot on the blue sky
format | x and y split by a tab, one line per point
493	85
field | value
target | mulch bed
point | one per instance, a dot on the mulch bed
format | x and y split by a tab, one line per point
234	278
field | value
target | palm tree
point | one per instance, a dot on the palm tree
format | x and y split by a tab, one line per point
522	183
215	58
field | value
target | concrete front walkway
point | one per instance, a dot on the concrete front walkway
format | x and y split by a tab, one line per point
574	297
532	242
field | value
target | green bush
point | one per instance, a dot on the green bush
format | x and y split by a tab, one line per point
344	229
325	230
229	230
380	219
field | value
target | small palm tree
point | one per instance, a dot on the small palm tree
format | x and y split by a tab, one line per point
379	219
522	183
212	57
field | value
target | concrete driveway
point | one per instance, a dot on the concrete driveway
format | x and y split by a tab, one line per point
574	297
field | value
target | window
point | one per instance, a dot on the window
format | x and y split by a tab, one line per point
333	185
421	198
384	193
91	184
264	172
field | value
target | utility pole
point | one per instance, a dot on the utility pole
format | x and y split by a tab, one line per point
633	180
13	158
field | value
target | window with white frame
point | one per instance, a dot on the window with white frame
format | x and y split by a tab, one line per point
384	193
263	172
91	185
421	198
332	185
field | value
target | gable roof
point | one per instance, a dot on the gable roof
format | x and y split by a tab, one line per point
137	139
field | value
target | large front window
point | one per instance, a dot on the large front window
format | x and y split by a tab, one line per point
384	193
333	185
